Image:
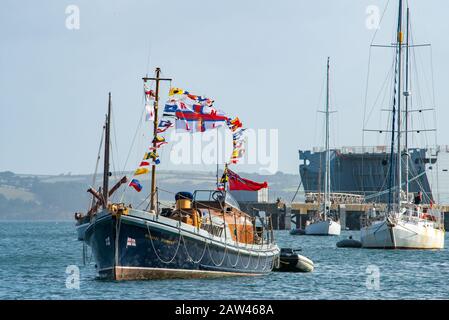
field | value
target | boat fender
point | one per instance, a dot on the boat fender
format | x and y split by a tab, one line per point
277	262
197	221
200	218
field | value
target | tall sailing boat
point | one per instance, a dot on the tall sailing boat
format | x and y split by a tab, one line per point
403	225
204	235
325	224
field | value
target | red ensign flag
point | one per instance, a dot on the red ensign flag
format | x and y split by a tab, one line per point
238	183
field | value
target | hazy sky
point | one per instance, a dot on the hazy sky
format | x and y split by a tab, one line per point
261	60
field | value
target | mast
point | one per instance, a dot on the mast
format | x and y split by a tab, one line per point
94	179
399	92
407	94
106	156
327	174
155	125
218	178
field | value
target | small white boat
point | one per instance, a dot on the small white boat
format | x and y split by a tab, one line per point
325	224
324	228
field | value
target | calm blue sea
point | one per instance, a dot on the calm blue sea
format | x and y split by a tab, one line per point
34	257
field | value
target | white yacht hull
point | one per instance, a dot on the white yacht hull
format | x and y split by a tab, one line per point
323	228
402	235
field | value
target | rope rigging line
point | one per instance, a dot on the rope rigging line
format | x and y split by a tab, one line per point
94	178
367	81
115	139
181	237
113	170
143	201
224	256
112	152
396	90
416	58
237	260
225	249
265	264
249	262
369	62
258	260
318	108
138	127
187	252
154	248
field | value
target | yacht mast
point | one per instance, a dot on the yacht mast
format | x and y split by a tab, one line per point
106	156
407	94
399	120
327	174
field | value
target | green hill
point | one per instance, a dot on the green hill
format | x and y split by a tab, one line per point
58	197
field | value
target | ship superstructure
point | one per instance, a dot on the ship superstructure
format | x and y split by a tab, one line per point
363	171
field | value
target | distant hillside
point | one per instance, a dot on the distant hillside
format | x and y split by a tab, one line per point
41	197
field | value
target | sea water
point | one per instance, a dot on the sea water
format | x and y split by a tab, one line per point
42	260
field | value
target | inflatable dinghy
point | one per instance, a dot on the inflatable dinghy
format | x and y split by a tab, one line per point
349	243
296	232
290	261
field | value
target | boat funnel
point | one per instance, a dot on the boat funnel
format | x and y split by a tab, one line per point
183	200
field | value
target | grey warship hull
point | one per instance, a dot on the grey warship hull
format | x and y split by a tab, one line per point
364	171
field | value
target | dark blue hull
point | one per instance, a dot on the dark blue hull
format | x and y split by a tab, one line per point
129	247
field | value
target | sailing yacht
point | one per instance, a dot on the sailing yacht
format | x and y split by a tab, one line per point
405	224
324	224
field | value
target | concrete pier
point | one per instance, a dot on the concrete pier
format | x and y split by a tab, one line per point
349	213
280	212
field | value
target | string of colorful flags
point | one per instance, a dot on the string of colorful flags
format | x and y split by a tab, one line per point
187	113
149	101
237	139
